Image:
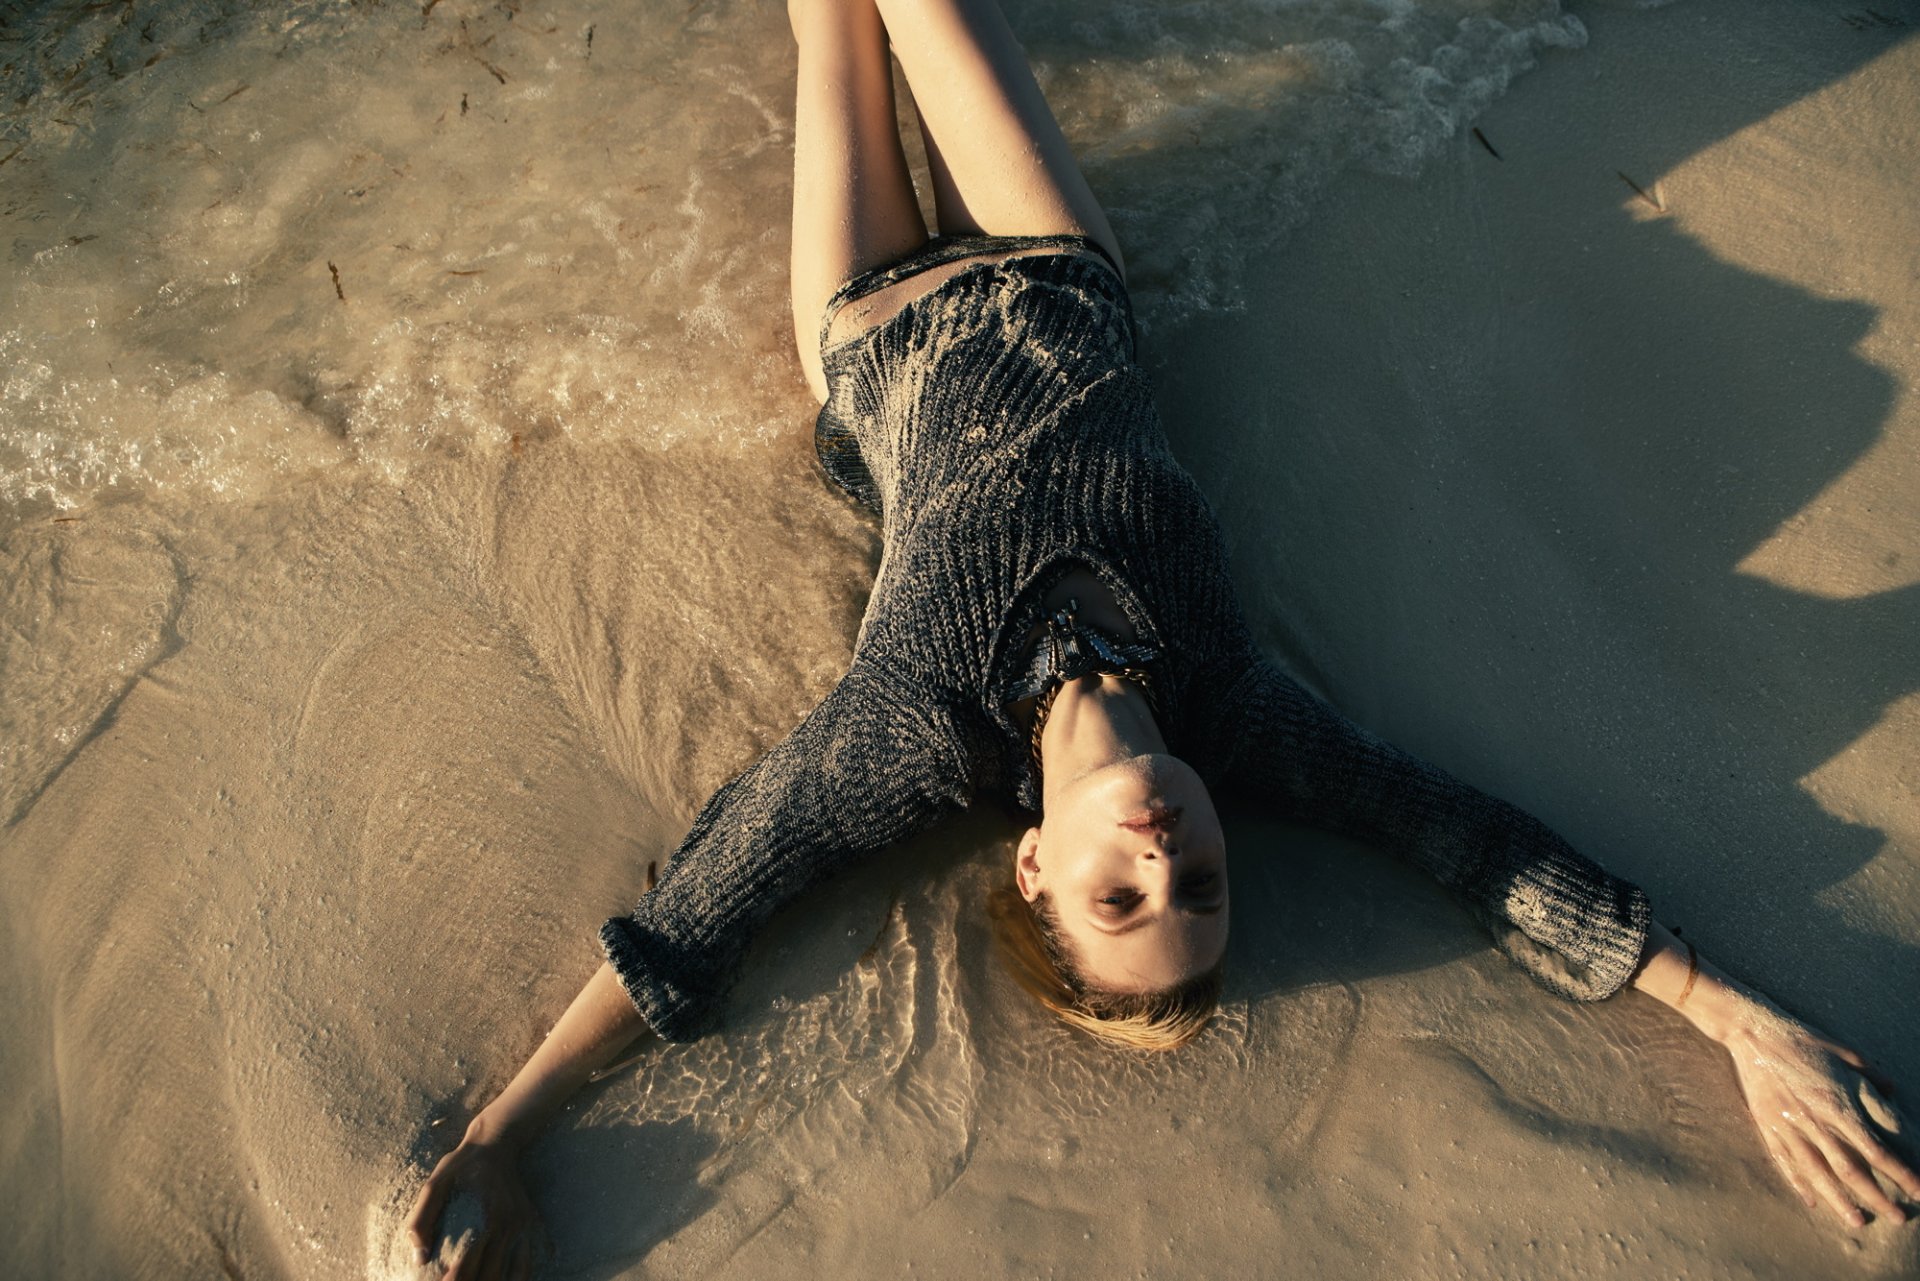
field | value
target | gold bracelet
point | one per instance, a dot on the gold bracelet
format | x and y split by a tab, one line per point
1693	972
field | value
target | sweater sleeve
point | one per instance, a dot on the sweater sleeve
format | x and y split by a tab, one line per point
878	760
1574	928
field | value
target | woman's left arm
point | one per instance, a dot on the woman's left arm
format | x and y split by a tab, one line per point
1821	1109
1575	928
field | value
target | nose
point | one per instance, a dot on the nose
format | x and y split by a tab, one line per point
1158	847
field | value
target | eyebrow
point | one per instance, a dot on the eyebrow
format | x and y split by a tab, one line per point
1141	922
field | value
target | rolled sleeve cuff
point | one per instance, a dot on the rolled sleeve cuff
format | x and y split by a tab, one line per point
674	1013
1591	960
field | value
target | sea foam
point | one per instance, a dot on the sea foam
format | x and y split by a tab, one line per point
247	244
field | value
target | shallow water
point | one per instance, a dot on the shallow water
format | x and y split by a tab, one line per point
243	246
408	521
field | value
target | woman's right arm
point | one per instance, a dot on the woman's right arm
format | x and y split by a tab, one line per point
596	1027
878	760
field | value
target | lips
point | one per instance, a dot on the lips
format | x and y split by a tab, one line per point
1160	819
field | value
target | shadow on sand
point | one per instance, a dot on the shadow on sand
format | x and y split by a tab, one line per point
1490	457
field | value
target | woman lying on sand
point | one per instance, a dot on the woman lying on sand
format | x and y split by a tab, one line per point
1053	622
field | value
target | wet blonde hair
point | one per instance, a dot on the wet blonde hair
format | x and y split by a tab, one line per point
1042	963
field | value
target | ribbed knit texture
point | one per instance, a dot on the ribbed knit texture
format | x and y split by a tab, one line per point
999	427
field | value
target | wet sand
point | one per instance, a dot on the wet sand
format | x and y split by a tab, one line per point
316	786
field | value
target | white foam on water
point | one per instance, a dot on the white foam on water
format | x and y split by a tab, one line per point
244	245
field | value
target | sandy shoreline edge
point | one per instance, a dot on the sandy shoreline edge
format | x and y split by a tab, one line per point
1605	500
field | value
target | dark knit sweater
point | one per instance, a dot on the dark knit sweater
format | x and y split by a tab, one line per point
1003	432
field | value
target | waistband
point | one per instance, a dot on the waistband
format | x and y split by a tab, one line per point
942	250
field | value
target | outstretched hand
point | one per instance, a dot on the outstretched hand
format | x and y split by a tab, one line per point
484	1170
1823	1115
501	1247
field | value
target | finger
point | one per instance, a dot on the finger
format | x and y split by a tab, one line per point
522	1266
1813	1166
425	1216
1855	1173
1848	1055
1853	1059
1880	1110
467	1266
1881	1158
1784	1164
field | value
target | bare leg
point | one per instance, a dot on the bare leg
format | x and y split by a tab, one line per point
1000	163
853	202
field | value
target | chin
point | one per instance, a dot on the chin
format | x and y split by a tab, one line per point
1161	769
1157	778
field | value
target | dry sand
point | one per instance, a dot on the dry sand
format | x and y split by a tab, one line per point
1605	502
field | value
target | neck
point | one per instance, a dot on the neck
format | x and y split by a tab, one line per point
1096	721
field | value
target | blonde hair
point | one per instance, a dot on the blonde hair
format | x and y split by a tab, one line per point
1041	962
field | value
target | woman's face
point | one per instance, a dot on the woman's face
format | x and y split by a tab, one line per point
1133	860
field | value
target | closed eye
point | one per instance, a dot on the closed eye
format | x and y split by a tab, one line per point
1120	903
1202	894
